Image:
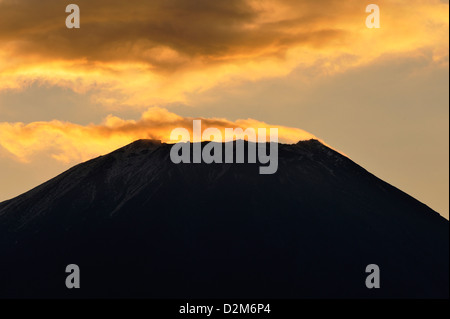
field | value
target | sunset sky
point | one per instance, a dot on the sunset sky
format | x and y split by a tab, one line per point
138	69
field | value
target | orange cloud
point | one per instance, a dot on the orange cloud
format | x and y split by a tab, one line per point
70	143
141	53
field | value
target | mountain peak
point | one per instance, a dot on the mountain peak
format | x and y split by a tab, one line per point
223	230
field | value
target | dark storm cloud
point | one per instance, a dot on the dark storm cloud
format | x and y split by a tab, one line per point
116	30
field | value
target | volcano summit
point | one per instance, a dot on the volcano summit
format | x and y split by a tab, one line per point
139	225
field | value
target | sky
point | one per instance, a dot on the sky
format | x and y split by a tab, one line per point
138	69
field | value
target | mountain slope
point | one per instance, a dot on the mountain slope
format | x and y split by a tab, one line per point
140	226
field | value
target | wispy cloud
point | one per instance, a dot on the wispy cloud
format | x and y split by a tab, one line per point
71	143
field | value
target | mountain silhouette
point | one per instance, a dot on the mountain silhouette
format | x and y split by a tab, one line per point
141	226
